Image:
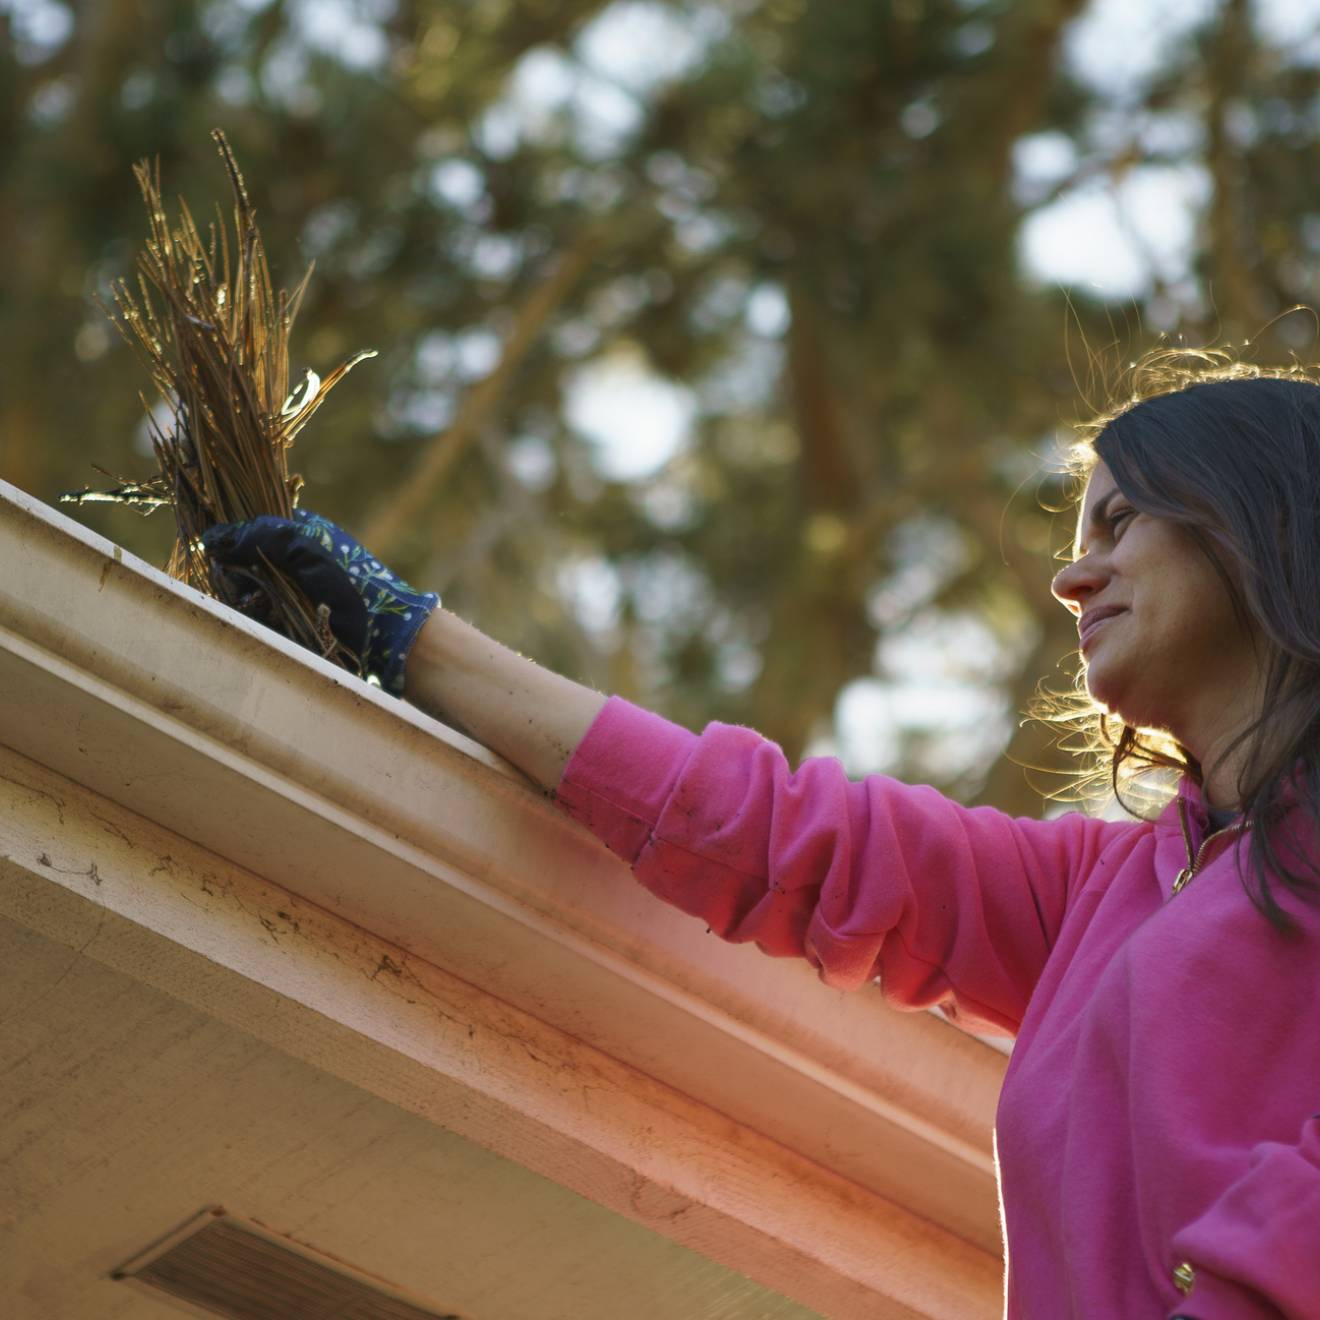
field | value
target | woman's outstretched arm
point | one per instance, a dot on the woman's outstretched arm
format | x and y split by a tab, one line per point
413	648
531	716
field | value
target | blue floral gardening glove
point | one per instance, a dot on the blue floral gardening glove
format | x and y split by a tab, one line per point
374	613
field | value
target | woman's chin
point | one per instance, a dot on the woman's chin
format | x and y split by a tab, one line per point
1112	695
1097	686
1121	705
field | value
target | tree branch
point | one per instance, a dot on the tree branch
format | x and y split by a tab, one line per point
440	454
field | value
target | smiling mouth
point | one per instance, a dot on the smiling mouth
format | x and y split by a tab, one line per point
1088	625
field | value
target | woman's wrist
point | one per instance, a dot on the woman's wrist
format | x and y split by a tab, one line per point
426	663
531	716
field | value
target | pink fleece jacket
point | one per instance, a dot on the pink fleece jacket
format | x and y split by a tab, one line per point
1160	1106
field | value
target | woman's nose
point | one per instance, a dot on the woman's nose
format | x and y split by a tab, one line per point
1074	583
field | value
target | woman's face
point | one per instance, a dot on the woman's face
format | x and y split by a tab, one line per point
1161	642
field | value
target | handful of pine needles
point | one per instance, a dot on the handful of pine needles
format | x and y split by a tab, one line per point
213	334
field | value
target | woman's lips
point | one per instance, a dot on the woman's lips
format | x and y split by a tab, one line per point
1092	619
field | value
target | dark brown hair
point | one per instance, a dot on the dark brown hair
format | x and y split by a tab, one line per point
1231	452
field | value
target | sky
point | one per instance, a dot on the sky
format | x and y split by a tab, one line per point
1109	237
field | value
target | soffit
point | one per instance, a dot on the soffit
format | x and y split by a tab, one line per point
124	1111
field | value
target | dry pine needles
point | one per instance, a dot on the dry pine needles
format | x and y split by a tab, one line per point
213	334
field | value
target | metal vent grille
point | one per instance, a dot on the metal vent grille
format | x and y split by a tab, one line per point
229	1266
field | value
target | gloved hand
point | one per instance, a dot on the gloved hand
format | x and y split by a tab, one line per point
374	613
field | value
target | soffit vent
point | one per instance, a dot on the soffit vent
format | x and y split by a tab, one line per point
222	1264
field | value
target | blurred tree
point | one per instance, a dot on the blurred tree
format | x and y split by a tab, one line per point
807	218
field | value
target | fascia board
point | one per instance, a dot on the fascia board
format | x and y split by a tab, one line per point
182	711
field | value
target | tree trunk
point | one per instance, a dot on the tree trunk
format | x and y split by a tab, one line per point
1232	288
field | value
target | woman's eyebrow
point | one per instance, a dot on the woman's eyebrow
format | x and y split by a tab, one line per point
1099	512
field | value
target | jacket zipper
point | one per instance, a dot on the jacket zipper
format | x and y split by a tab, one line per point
1194	860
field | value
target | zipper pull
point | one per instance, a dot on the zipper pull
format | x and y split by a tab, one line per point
1189	870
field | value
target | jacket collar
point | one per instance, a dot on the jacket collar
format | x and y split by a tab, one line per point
1188	815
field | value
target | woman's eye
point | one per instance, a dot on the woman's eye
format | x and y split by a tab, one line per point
1118	518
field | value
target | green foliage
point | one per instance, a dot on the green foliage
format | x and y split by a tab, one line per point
806	215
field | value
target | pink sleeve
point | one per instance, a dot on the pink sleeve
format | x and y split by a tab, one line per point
1256	1251
948	905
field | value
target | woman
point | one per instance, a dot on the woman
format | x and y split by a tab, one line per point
1158	1137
